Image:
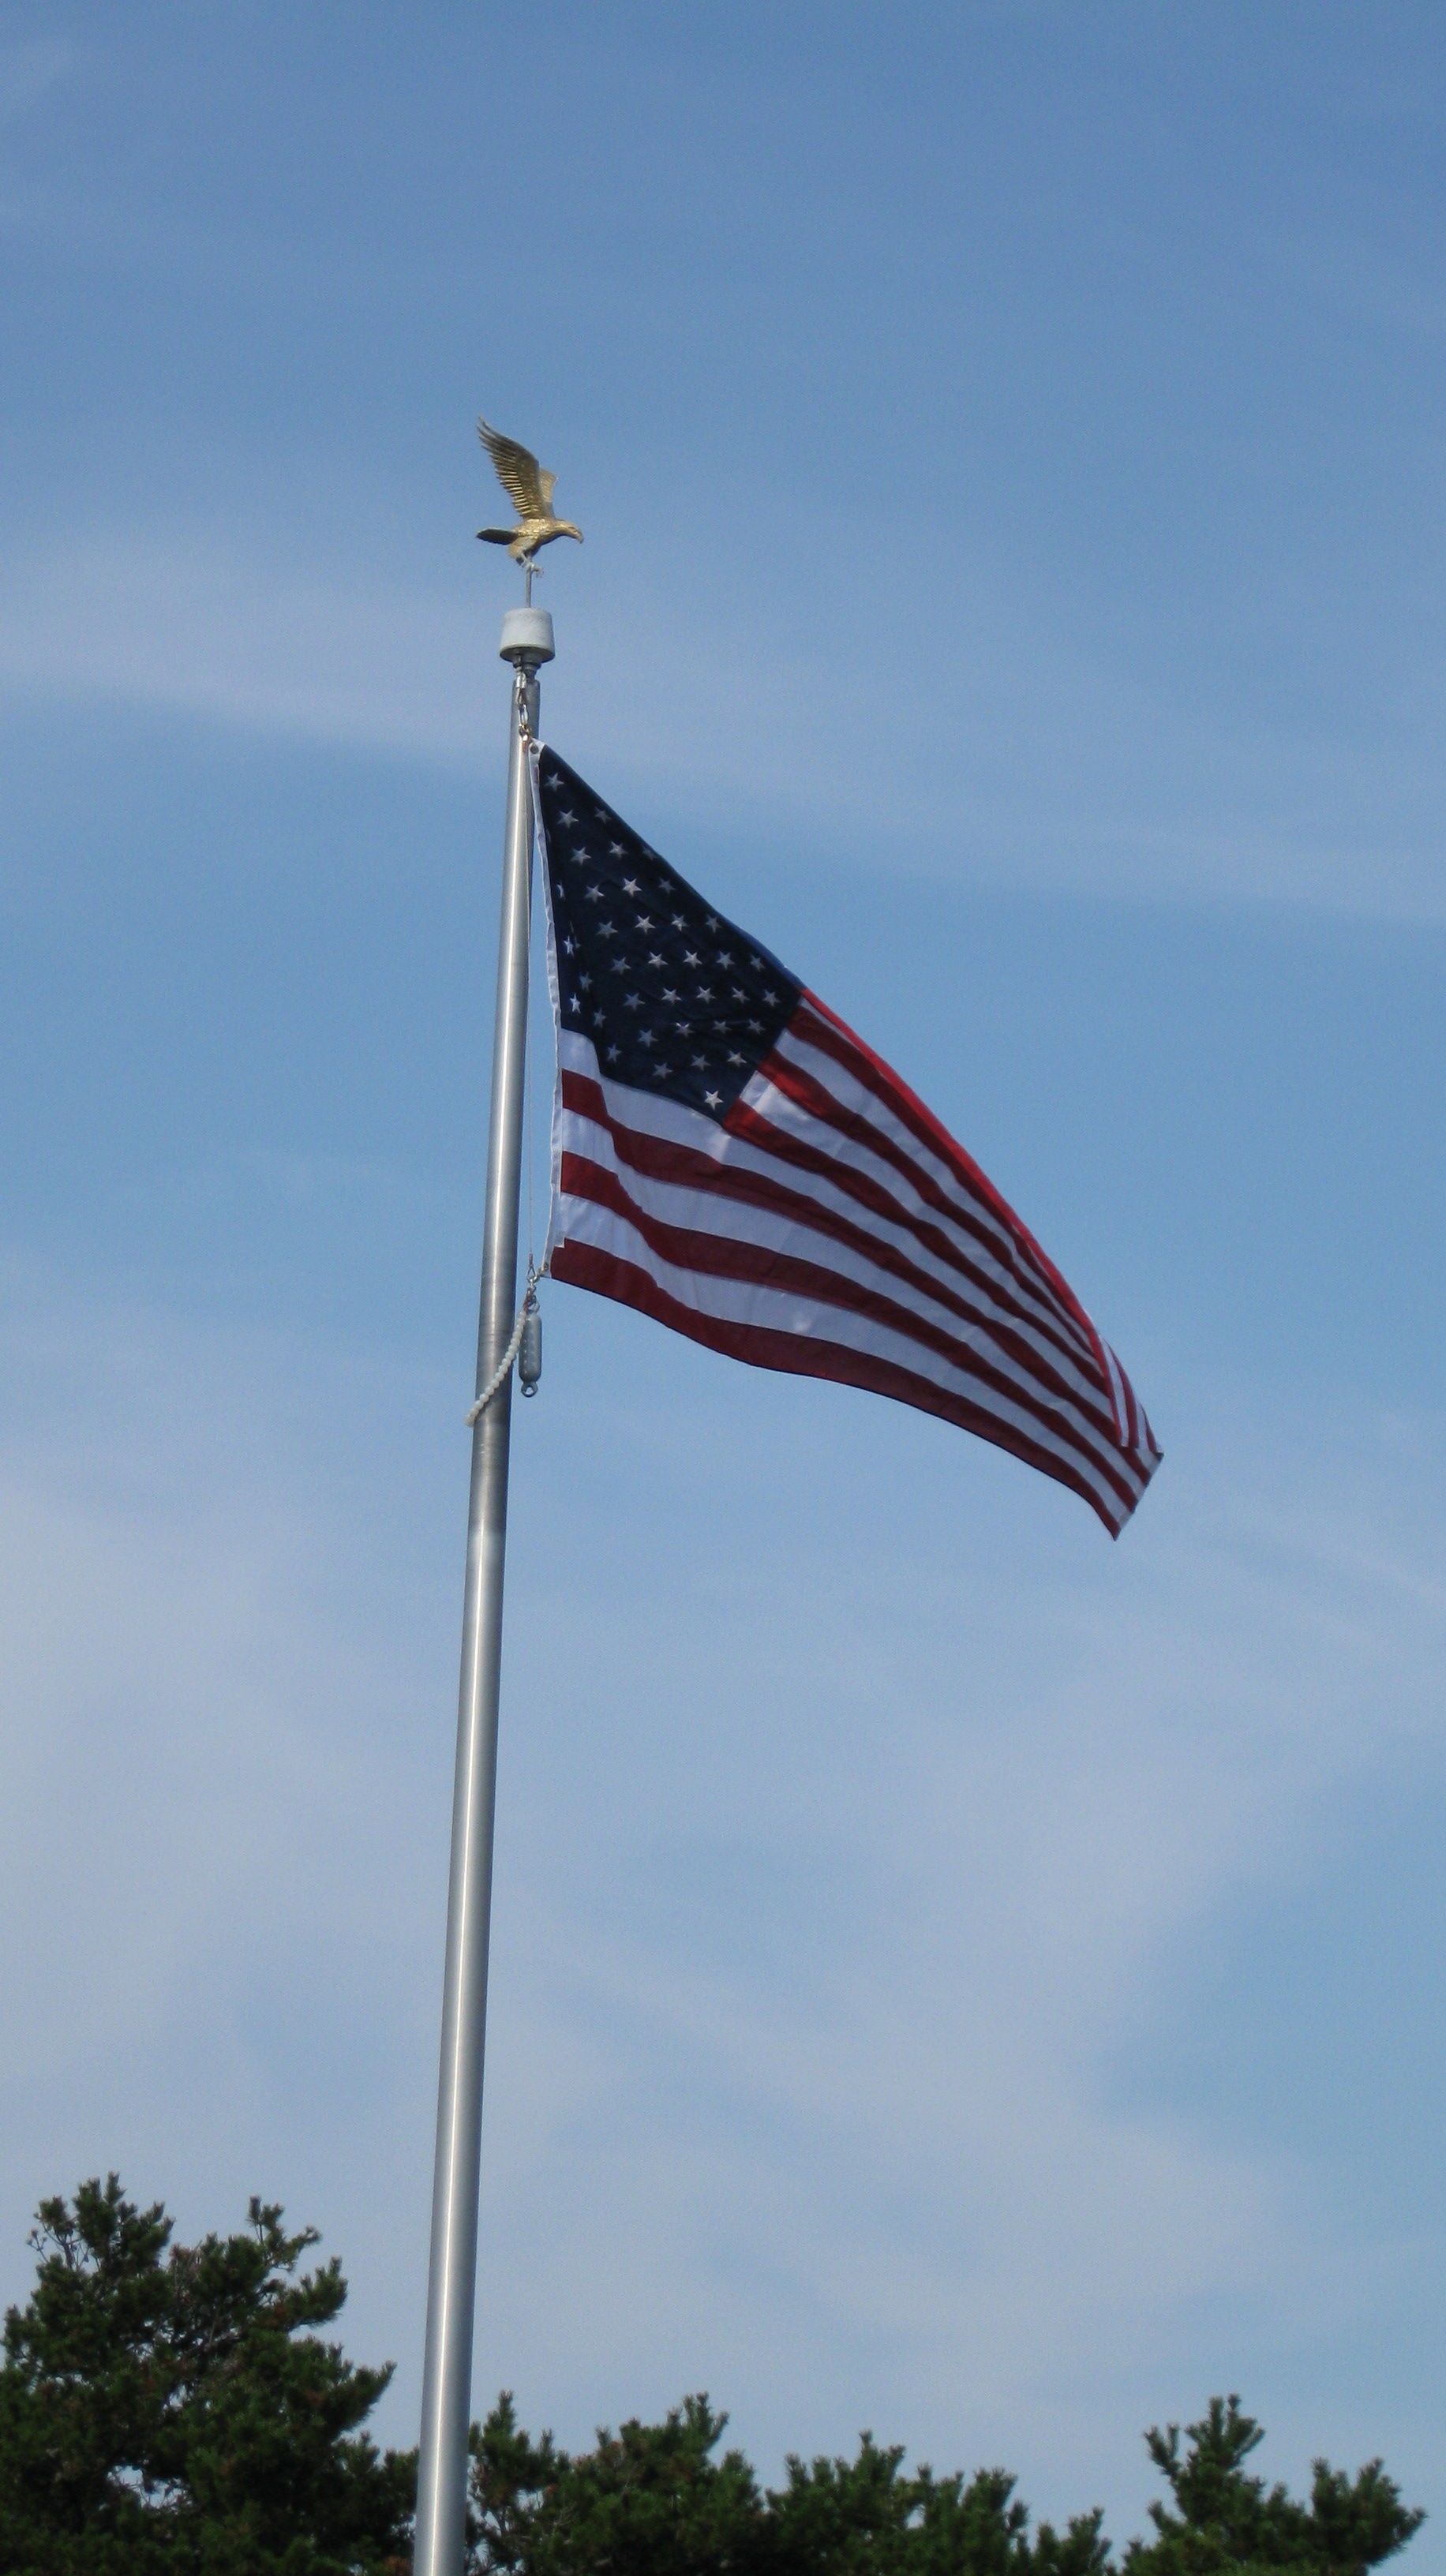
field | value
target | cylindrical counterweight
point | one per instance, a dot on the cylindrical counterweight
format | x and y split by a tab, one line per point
529	1351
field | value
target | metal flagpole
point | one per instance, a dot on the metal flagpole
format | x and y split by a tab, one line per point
451	2285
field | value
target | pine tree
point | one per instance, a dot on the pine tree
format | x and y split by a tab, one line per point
174	2409
652	2500
1227	2520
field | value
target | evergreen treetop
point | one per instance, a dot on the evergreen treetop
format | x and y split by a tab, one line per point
173	2410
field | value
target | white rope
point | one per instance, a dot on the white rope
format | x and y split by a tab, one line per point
500	1372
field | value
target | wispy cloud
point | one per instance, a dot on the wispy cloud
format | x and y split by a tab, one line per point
31	67
1032	764
177	620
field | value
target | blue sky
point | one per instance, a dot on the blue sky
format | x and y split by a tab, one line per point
950	1974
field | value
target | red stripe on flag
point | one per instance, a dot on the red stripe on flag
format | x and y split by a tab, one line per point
724	1256
886	1084
607	1275
811	1096
1039	1310
661	1159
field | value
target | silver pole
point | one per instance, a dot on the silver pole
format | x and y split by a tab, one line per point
452	2278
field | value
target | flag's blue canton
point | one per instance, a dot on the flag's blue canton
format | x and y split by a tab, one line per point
676	1000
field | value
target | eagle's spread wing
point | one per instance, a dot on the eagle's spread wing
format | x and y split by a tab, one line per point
526	486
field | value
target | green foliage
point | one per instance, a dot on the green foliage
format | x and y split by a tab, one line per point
172	2408
843	2517
650	2499
1227	2523
653	2500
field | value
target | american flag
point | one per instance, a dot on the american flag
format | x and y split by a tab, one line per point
729	1158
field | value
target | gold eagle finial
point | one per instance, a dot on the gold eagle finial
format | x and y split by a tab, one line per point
530	492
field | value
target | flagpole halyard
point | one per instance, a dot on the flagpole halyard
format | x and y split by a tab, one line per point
451	2286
